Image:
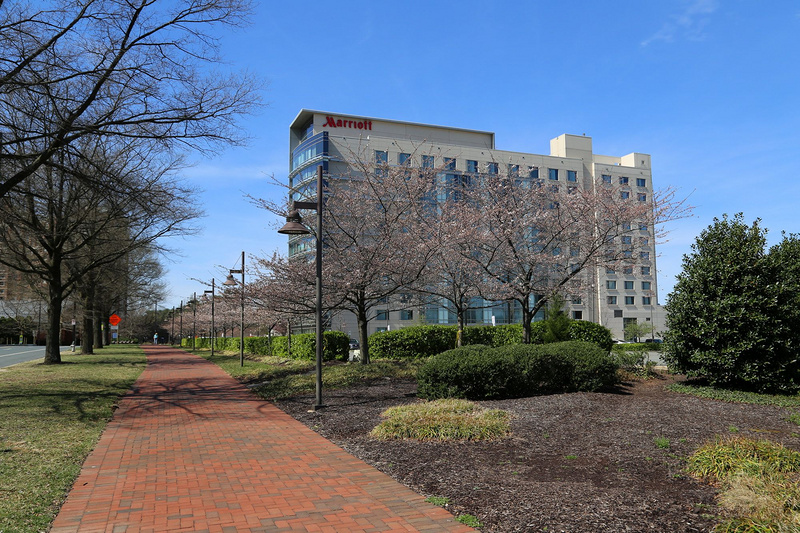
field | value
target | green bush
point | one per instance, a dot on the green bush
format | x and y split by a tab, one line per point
481	372
493	335
335	345
582	330
416	341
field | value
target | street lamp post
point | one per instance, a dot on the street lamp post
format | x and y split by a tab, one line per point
230	281
180	327
213	331
194	321
294	226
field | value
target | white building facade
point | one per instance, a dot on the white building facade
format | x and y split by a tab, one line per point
611	298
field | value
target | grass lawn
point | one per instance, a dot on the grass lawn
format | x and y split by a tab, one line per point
50	419
282	378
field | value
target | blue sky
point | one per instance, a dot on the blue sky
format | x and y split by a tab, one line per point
708	88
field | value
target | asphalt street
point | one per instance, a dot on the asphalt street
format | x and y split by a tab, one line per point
14	354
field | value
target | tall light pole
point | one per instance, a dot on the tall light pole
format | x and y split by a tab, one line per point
230	281
294	226
194	321
180	334
213	331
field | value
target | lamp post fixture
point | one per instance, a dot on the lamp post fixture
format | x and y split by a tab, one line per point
180	326
294	226
194	321
213	331
229	282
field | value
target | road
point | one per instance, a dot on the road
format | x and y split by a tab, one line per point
13	354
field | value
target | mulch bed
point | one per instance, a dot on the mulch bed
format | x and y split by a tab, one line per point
581	462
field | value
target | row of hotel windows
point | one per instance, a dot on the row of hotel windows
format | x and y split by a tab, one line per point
428	161
629	300
645	270
612	284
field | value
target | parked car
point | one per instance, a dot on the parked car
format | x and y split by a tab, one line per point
354	344
655	341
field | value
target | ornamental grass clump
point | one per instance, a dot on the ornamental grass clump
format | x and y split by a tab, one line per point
759	482
443	420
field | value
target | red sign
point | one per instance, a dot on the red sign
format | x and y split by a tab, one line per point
331	122
114	320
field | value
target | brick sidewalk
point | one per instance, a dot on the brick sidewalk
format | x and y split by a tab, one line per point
190	449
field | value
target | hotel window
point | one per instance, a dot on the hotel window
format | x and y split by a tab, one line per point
577	301
513	171
552	173
571	189
611	284
382	314
617	313
406	315
642	197
642	227
577	315
623	180
533	172
626	239
609	270
449	163
629	300
645	285
627	270
641	182
624	195
629	285
644	241
381	157
491	168
645	271
427	161
644	255
472	166
606	178
646	300
626	226
572	175
611	300
627	253
404	160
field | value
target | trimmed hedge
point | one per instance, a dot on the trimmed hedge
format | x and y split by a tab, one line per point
480	372
335	345
425	341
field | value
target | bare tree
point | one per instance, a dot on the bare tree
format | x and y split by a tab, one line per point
114	70
57	227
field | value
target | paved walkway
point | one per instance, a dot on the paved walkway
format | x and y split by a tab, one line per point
189	449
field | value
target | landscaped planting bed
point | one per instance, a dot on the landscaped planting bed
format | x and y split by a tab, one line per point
577	462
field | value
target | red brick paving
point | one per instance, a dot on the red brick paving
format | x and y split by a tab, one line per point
190	449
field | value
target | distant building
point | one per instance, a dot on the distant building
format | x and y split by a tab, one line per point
611	298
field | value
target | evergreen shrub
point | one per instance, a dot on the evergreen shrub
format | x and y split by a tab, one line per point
480	372
416	341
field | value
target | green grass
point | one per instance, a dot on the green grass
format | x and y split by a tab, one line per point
469	520
441	501
759	483
50	419
301	380
443	420
661	442
725	395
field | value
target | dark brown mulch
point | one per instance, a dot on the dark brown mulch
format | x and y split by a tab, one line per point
582	462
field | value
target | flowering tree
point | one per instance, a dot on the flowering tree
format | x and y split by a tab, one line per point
541	239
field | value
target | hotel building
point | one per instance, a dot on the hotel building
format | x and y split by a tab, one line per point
611	298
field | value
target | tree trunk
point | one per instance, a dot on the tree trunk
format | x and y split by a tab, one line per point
361	317
460	333
52	354
527	318
87	327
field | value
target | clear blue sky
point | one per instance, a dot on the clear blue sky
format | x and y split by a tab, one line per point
708	88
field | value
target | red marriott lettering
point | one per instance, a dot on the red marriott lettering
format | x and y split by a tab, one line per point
331	122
